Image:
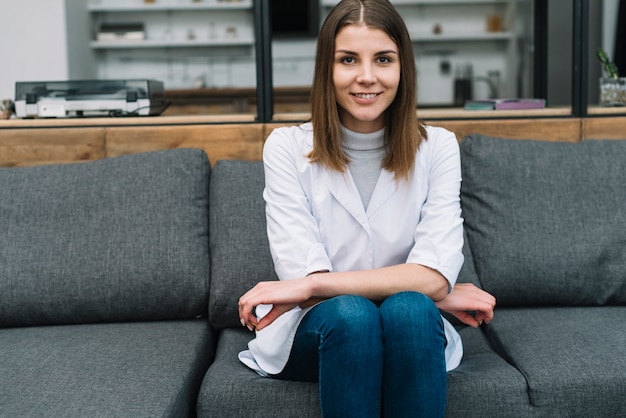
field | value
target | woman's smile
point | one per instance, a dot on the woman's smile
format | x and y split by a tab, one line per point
365	96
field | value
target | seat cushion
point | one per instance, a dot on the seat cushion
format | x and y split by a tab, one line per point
230	389
572	357
119	239
240	252
143	369
546	221
483	385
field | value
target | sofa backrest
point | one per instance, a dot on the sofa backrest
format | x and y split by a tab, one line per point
240	254
546	221
118	239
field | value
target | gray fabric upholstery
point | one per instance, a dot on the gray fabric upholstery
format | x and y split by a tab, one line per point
468	270
118	239
572	357
240	255
483	386
230	389
143	369
546	221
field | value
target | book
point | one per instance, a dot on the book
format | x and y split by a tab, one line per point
505	104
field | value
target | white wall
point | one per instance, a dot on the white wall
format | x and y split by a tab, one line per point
609	18
34	45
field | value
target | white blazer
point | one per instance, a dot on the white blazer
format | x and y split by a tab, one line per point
316	221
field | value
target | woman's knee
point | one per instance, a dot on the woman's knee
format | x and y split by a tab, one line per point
350	317
352	311
410	309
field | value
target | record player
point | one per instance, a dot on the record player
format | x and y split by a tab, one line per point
82	98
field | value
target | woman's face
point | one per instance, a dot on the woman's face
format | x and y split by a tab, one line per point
366	74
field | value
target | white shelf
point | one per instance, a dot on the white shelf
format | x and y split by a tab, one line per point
214	5
332	3
170	44
463	37
185	43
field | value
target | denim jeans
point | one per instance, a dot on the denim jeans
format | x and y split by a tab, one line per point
370	358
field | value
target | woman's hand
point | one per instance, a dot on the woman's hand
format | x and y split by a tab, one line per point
464	298
283	295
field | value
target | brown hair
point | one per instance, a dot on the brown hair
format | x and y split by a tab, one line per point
403	131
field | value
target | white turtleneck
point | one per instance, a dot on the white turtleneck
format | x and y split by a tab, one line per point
366	153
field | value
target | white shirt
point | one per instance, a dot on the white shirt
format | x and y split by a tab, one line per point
316	221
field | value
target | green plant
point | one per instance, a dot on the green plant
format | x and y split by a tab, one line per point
609	66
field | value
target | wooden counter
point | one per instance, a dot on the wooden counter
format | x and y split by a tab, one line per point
47	141
25	142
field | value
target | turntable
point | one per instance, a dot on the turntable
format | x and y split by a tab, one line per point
84	98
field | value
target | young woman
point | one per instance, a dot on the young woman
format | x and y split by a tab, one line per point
365	229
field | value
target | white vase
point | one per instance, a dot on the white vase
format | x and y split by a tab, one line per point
613	91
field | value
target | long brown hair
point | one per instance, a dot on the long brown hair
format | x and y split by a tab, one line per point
403	131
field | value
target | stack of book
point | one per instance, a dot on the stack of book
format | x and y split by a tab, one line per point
505	104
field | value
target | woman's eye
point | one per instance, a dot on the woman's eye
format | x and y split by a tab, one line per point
384	60
348	60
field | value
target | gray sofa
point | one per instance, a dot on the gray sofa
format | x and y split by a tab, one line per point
119	282
104	276
545	232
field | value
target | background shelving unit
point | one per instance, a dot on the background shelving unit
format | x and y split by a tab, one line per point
187	43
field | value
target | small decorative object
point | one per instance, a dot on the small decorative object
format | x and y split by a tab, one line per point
132	31
149	1
463	84
437	29
199	82
231	32
495	23
612	86
7	107
191	35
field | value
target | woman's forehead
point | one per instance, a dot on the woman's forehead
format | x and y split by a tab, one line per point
362	37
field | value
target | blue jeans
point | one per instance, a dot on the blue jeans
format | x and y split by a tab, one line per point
370	358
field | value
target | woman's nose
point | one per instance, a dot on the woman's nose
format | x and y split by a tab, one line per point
366	75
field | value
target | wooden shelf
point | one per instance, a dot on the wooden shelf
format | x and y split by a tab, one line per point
196	43
459	113
602	110
207	5
125	121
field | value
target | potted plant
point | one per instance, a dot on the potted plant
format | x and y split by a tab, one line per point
612	86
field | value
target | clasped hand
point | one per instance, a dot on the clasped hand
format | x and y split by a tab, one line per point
466	298
285	295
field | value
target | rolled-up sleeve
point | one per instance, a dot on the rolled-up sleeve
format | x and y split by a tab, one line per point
439	232
293	232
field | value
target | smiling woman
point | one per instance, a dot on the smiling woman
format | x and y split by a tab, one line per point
364	225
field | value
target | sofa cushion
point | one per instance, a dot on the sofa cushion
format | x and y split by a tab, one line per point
143	369
117	239
240	254
546	221
572	357
484	385
230	389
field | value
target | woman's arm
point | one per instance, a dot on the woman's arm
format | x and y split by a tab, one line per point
375	284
